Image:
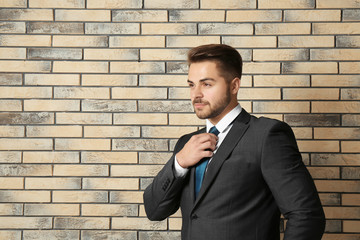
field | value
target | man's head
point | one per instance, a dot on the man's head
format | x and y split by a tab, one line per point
214	80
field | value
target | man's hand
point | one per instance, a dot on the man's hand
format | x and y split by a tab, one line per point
198	147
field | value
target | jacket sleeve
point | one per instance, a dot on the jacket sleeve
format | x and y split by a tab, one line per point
162	196
291	184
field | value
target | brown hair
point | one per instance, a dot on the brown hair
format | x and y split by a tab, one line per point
227	58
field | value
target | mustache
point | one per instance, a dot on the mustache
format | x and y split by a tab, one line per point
199	100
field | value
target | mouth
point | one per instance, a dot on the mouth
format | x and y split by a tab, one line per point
199	104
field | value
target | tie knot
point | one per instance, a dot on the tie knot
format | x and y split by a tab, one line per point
214	130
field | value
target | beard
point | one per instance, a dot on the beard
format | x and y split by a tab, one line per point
212	110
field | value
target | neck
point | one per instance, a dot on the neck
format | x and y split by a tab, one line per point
228	109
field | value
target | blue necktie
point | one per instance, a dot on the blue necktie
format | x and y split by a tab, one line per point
200	169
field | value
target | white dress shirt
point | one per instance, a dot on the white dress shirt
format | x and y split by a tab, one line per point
223	126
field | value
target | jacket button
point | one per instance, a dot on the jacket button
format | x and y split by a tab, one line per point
194	216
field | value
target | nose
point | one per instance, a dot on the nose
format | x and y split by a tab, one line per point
196	92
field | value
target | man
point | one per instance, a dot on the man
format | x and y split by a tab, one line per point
234	185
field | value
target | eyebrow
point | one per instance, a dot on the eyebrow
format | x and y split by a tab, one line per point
202	80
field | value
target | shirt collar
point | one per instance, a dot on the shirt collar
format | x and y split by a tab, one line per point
226	120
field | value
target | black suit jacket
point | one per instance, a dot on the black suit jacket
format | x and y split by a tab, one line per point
256	174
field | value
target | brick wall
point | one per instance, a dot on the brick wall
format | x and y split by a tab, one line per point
93	97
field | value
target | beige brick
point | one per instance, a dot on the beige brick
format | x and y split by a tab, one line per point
82	144
342	212
83	15
82	92
259	93
185	119
154	157
351	226
80	41
52	79
334	236
280	54
51	234
22	196
12	53
261	68
25	40
175	224
80	67
54	53
81	170
51	209
324	172
140	118
139	16
166	132
281	107
50	157
55	28
350	94
336	28
282	80
11	209
108	106
311	93
111	183
284	4
25	144
336	107
348	41
337	4
137	224
126	197
190	41
139	93
25	170
109	157
349	67
116	4
312	15
196	16
111	131
165	106
52	105
136	41
25	222
10	79
54	131
12	27
168	28
351	120
335	54
161	234
318	146
350	173
80	196
110	54
225	29
250	42
27	118
350	146
56	4
163	54
109	80
303	132
246	81
335	159
337	133
115	210
11	183
137	67
26	92
26	14
231	4
12	131
112	28
112	234
335	80
81	223
140	144
282	28
10	157
135	170
350	199
25	66
306	41
163	80
254	16
179	93
330	198
171	4
310	67
13	3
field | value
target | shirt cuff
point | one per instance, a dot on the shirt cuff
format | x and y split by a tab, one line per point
179	170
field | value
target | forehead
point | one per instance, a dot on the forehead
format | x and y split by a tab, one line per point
204	69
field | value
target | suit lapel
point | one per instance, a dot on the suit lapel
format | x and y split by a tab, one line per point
232	138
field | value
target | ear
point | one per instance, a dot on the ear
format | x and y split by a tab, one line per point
235	85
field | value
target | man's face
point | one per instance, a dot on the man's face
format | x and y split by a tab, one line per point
209	91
